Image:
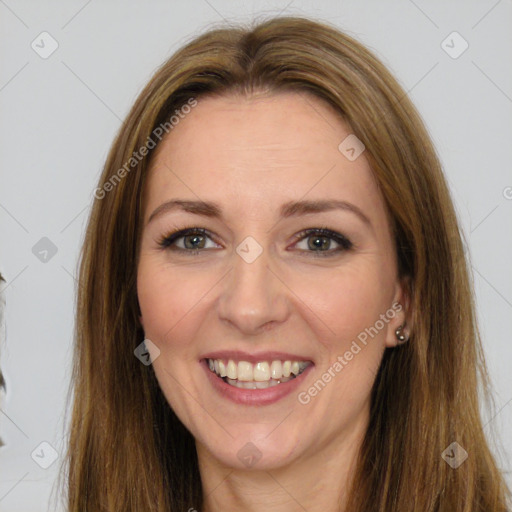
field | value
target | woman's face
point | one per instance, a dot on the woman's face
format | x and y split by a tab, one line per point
251	290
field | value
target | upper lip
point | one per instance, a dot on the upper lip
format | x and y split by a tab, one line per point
256	357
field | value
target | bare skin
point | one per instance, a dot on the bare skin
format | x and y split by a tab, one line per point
251	156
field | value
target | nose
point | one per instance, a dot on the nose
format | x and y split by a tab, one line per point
254	297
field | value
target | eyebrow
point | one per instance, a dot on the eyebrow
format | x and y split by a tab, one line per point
290	209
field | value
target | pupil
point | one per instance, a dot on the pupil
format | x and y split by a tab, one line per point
192	240
323	242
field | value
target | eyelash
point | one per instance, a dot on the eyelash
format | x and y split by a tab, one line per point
345	244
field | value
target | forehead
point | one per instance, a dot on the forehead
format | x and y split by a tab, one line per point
253	153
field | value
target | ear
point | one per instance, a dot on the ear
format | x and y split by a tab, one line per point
402	309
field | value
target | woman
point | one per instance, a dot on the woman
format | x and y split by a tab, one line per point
273	222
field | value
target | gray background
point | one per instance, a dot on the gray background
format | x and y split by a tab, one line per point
59	116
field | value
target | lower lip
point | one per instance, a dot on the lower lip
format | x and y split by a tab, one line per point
254	396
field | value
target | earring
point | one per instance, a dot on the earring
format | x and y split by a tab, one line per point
402	338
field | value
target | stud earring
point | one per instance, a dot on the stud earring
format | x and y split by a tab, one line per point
401	337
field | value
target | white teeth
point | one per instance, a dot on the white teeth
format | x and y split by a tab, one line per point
258	376
261	372
257	385
222	369
276	369
245	372
231	370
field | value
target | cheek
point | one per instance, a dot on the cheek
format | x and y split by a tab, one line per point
165	297
352	338
347	300
350	304
173	301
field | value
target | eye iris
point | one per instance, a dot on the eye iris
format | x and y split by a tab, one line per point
323	242
194	239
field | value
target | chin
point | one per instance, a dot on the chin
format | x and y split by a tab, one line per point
252	453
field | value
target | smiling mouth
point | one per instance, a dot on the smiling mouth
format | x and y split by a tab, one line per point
261	375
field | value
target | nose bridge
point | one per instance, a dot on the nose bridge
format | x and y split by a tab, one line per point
252	296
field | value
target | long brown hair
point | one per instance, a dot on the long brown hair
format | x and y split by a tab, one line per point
127	449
